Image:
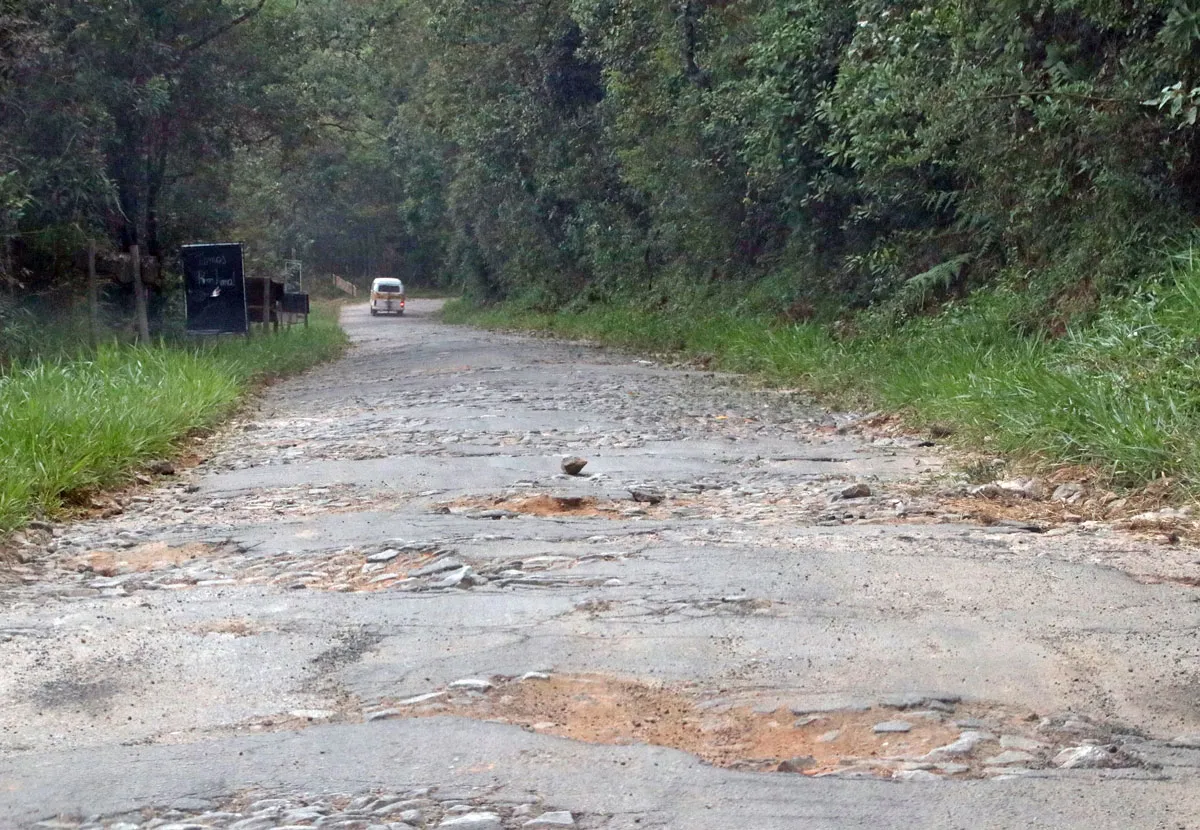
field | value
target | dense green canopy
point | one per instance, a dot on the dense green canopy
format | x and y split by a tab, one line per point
825	153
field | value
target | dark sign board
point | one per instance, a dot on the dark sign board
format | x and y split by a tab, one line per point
263	297
295	303
215	289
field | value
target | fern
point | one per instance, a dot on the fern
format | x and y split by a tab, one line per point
917	290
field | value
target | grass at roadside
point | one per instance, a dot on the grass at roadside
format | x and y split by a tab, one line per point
76	424
1119	393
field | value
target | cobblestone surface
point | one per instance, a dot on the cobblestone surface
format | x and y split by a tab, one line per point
424	807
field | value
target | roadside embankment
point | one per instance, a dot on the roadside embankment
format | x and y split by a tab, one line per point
74	424
1115	391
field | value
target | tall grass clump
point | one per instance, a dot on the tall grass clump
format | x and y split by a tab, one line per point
1118	392
70	425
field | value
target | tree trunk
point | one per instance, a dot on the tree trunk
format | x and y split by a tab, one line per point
689	22
93	294
139	296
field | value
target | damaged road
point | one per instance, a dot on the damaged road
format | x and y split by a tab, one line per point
381	602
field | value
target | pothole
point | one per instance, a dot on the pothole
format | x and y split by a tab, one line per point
161	566
396	565
542	505
935	736
231	626
739	606
145	558
404	808
184	508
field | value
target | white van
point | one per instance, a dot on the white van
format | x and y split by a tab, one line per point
387	296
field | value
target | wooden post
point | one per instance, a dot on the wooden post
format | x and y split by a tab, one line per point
93	293
139	296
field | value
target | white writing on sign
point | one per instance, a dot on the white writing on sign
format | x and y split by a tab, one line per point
214	279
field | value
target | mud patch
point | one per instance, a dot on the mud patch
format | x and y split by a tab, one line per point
160	566
234	626
607	711
409	566
145	558
883	741
555	506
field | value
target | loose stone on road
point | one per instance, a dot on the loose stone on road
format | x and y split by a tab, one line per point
466	579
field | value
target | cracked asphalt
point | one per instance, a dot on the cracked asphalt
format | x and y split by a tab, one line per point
379	596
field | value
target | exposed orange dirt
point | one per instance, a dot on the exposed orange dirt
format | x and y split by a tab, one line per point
143	558
236	626
549	506
603	710
989	511
345	571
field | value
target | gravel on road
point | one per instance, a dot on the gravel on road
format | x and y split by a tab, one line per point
470	579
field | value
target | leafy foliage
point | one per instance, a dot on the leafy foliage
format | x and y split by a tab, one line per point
571	151
593	148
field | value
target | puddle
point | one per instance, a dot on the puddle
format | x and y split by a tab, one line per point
604	710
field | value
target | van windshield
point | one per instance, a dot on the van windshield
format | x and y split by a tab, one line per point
388	287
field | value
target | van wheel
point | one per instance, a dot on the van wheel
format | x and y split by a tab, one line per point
374	313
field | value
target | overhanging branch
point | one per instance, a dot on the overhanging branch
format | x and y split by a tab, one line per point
250	13
337	125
